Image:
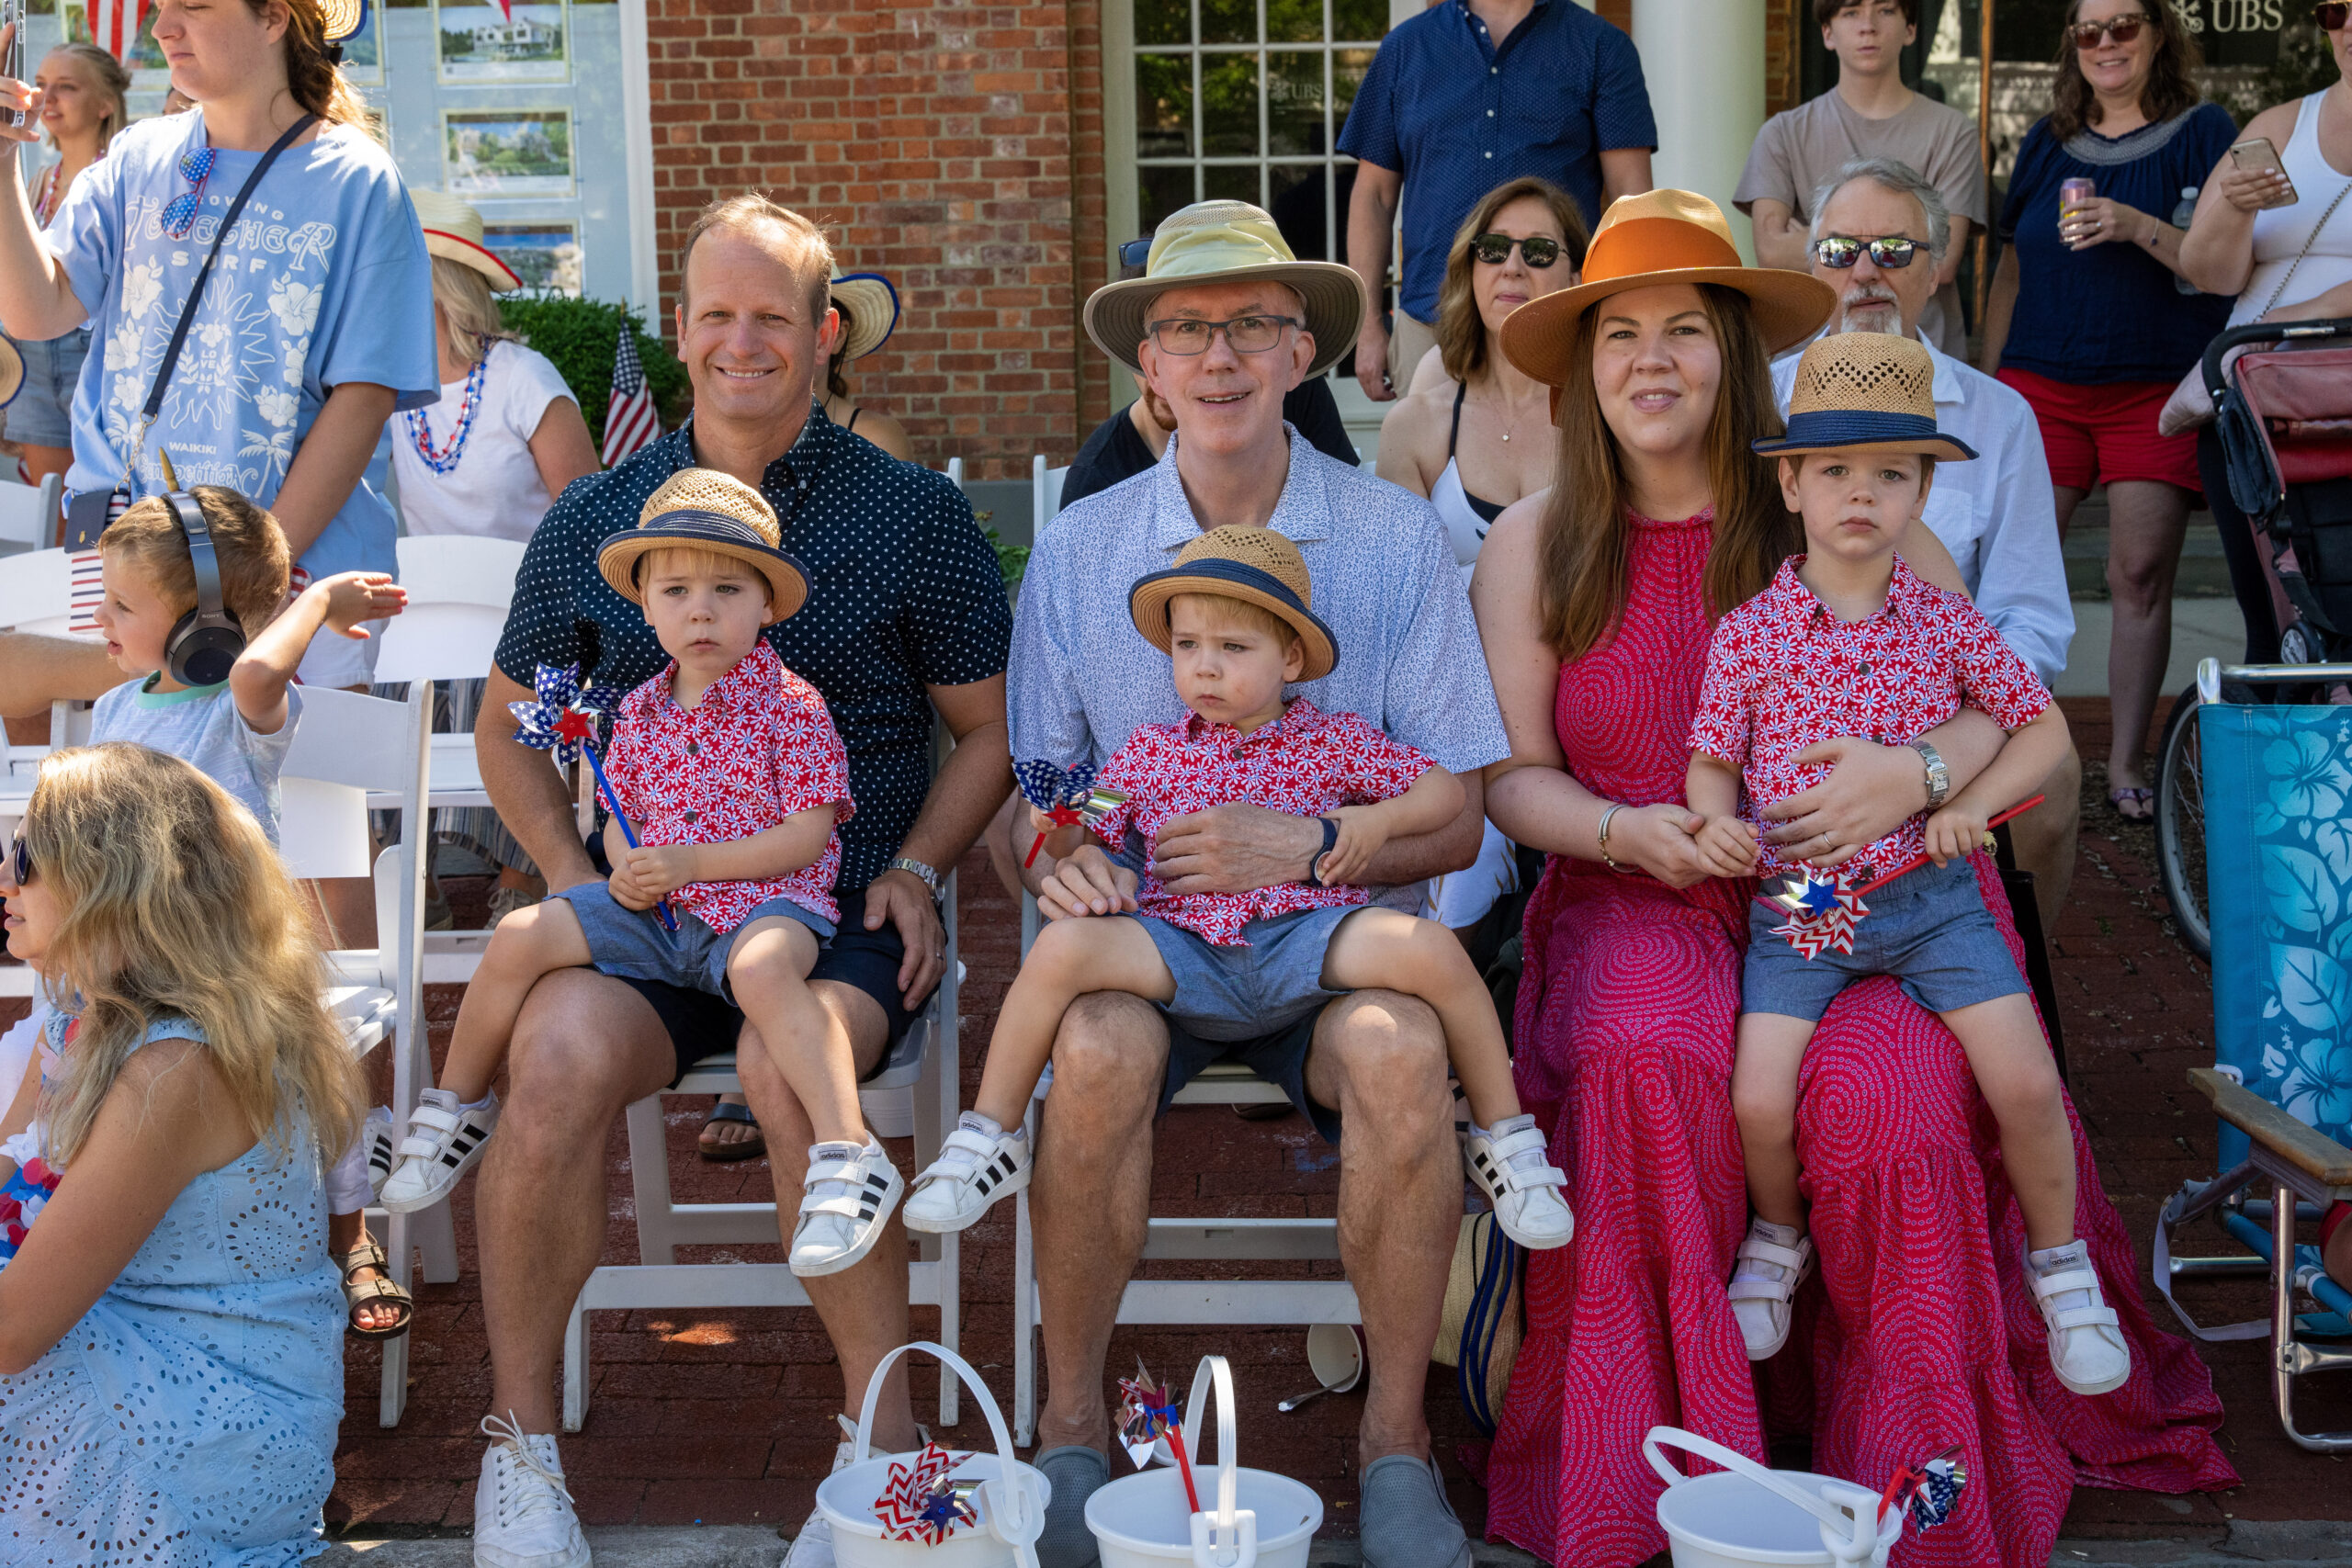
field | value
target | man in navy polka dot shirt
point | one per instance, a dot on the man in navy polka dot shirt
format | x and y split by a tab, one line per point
906	614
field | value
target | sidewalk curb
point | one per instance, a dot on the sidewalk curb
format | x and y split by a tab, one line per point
2280	1545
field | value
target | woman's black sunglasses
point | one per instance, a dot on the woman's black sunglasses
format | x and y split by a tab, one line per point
2122	29
20	862
2332	17
1889	252
1495	250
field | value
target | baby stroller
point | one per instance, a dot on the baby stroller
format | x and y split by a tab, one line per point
2283	411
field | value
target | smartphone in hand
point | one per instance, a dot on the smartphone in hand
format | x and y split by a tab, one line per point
2256	153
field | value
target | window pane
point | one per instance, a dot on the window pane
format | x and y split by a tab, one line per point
1359	19
1294	104
1347	68
1231	183
1163	21
1163	106
1159	192
1228	21
1229	105
1294	21
1294	195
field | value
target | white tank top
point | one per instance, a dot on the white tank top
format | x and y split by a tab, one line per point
1466	525
2281	233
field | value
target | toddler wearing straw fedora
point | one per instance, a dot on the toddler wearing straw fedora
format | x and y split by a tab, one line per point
729	768
1847	640
1234	613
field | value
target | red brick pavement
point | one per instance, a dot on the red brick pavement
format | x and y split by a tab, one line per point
725	1416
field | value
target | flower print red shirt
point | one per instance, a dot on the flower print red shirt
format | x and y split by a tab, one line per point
1306	761
759	747
1782	673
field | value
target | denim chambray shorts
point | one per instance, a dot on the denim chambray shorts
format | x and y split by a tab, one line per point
631	944
42	414
1928	928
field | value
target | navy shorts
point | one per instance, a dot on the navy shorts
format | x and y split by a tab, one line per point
632	944
1256	1005
1928	928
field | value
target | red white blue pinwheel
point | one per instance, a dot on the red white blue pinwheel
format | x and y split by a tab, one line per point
1069	797
920	1502
1147	1413
1928	1491
565	721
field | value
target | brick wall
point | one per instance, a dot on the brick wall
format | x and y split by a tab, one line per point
935	141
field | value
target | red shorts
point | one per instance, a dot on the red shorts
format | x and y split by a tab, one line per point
2099	434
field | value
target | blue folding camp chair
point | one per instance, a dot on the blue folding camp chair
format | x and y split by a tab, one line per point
2277	795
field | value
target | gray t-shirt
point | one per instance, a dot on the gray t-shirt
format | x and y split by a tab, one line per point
202	728
1800	148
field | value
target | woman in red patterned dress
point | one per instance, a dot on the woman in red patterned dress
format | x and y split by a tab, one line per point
1595	600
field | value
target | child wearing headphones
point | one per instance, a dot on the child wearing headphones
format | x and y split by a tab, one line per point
194	585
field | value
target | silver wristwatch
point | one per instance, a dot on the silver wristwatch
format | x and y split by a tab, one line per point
1939	776
929	877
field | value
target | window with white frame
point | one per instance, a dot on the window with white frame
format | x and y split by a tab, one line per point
1246	99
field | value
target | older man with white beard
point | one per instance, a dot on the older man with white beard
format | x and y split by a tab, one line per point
1879	232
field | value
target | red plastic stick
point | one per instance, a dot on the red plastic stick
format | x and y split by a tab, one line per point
1184	1461
1916	861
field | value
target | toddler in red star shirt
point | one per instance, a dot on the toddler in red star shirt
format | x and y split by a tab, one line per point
1848	640
729	768
1234	615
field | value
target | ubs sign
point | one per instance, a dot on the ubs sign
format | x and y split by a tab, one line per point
2233	16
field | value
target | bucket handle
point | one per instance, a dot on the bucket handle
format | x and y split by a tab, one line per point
1850	1540
1230	1538
1015	1517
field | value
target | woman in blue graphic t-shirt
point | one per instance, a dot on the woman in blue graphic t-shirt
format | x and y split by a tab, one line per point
306	340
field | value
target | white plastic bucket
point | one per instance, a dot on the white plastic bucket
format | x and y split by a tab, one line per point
1259	1520
1012	1496
1745	1514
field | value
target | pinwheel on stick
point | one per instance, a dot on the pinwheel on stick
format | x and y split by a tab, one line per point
1070	798
1825	906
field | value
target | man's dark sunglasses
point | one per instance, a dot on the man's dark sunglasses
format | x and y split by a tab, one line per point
1495	250
1888	252
1135	253
2332	17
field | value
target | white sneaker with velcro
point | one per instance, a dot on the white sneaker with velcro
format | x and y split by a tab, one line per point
445	1141
523	1512
979	1164
847	1198
1528	1191
382	1153
2086	1347
1763	1282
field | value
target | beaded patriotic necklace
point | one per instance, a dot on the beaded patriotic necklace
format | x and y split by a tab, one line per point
446	460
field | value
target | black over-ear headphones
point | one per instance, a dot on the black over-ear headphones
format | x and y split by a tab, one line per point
205	643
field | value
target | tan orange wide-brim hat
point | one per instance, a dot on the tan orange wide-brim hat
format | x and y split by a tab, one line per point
1649	241
1226	241
1256	566
453	230
703	509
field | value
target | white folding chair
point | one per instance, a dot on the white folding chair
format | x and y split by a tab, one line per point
352	753
1045	494
29	513
36	596
918	1091
1203	1300
460	588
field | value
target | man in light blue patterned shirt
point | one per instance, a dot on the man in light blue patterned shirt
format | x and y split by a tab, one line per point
1224	323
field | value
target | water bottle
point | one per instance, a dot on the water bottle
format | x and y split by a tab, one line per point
2181	215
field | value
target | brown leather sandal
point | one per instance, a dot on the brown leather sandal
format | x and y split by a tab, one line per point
381	1290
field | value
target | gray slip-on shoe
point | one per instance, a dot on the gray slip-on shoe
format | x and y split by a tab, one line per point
1406	1521
1077	1472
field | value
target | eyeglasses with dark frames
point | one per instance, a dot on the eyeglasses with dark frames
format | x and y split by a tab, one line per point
1889	253
2332	17
1248	334
1538	251
2120	30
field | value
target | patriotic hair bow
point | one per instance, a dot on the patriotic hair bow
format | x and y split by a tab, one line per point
921	1503
1928	1490
1823	909
564	719
1069	797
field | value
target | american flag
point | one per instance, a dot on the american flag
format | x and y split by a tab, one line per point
630	423
115	24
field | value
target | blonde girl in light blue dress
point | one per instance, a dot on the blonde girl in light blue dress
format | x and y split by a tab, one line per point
171	1330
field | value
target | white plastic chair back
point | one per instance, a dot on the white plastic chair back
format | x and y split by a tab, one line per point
29	513
460	588
1046	495
36	593
345	745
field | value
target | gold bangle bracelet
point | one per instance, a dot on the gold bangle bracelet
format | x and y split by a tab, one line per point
1614	808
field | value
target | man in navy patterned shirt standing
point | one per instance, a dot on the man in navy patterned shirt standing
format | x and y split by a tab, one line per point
906	616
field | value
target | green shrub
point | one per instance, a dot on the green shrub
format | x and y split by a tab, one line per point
581	337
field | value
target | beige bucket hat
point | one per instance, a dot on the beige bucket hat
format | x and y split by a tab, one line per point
1226	241
706	510
872	306
1257	565
453	229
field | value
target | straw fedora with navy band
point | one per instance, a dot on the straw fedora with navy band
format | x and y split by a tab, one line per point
1865	392
1649	241
873	306
705	510
1257	565
1226	241
453	231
